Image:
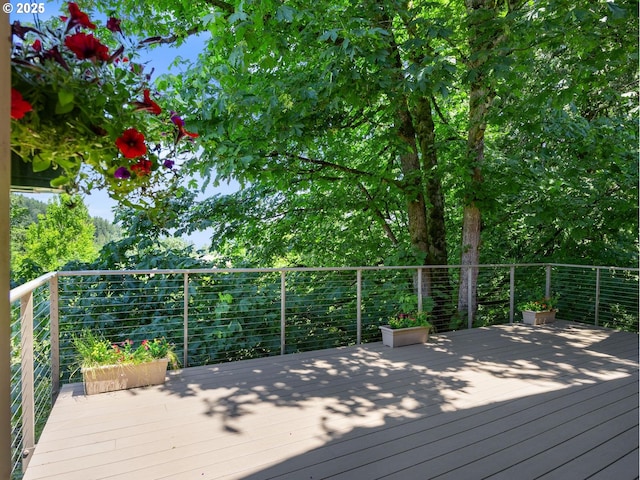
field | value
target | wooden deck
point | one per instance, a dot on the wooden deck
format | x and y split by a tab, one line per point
508	402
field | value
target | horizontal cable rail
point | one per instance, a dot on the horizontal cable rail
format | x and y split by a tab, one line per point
222	315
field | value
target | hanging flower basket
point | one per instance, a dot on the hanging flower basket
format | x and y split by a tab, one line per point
85	113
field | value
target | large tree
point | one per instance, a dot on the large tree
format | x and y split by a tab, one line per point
336	98
370	126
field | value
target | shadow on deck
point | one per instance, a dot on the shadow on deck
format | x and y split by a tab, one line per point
557	401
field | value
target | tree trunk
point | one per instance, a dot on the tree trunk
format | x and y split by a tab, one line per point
426	132
471	229
413	187
422	188
436	283
484	35
412	173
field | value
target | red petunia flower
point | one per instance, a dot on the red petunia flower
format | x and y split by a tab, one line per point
182	132
19	106
78	17
131	143
54	54
37	45
113	24
142	168
147	104
86	47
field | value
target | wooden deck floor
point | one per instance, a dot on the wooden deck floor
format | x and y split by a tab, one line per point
507	402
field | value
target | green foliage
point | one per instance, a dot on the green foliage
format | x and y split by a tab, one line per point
564	148
540	305
303	112
95	350
64	233
105	231
408	320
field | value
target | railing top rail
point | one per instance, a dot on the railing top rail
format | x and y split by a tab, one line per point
600	267
26	288
284	269
20	291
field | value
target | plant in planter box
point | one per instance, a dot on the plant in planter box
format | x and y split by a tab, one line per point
542	310
410	320
108	366
408	326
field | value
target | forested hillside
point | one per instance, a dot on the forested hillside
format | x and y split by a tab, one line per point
45	236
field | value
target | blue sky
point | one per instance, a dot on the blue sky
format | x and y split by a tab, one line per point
160	58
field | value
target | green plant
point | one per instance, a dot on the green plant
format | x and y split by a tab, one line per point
94	350
408	314
541	305
407	320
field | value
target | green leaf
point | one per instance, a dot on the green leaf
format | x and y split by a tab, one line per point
285	13
60	181
40	164
616	12
62	109
65	97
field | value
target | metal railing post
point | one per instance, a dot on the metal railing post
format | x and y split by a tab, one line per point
512	292
597	306
358	306
54	335
283	307
28	406
185	320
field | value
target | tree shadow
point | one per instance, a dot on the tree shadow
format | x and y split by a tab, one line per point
461	397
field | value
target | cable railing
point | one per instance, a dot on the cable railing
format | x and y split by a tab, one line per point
222	315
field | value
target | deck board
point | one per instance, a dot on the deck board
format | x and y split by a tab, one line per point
498	402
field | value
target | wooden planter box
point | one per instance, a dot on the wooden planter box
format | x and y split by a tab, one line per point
538	318
400	337
109	378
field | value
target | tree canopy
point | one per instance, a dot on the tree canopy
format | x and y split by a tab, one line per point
408	132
